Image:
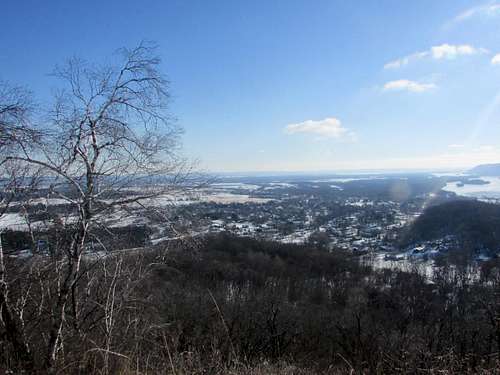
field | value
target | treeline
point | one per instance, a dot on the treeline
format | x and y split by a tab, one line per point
106	239
239	305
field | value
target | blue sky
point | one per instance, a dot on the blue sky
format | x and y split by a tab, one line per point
293	85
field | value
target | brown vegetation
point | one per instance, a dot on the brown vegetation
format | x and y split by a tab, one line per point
242	306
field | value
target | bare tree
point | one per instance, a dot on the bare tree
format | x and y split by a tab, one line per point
16	106
15	180
109	149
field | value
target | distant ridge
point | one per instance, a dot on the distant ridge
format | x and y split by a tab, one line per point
486	170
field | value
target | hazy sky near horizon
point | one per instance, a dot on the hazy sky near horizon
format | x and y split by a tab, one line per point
293	85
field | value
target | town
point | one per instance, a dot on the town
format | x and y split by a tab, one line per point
363	214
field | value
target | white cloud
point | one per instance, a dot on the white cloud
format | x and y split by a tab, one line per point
405	60
496	59
440	52
456	146
328	128
448	51
489	10
407	85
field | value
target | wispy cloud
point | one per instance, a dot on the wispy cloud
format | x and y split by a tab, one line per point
496	59
407	85
456	146
405	60
327	128
440	52
491	9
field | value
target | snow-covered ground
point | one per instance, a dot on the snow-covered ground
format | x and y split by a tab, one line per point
296	237
13	221
401	262
234	185
351	179
226	198
279	185
221	195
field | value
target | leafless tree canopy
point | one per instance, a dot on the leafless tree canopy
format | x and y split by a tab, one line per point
108	146
113	119
15	108
109	124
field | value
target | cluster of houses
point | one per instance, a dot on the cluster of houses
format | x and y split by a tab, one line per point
354	224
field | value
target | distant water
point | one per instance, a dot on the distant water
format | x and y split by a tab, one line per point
487	191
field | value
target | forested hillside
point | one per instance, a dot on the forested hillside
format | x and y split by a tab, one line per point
237	305
476	224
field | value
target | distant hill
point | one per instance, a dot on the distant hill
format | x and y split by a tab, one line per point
486	170
473	222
